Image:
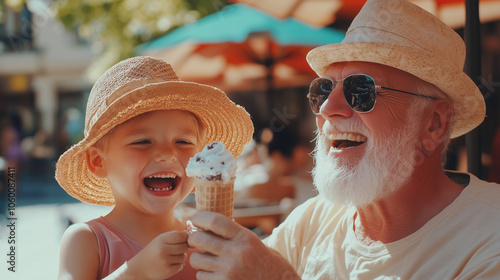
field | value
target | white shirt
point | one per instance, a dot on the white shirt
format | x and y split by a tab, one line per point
461	242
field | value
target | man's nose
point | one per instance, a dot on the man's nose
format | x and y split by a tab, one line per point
336	105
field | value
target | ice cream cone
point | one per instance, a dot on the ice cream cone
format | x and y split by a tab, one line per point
215	196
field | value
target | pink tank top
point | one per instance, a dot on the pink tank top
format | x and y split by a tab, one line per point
115	249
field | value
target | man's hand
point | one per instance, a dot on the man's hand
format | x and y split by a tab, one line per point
230	251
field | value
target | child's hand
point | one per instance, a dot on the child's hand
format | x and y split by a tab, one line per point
161	258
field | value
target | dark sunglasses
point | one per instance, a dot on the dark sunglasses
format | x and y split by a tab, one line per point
360	92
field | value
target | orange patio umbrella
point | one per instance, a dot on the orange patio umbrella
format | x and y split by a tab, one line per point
242	48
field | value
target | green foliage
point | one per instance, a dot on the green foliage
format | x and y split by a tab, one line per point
16	5
116	27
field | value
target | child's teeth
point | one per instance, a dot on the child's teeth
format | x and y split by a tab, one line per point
162	189
162	176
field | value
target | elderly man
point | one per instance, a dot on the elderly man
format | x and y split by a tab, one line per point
388	99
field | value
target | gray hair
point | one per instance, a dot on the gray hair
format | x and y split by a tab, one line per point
420	105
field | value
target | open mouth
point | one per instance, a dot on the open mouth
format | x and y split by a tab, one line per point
342	141
162	183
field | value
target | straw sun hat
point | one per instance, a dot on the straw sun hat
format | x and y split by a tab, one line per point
139	85
400	34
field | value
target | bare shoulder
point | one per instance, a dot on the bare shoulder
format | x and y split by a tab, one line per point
80	234
79	254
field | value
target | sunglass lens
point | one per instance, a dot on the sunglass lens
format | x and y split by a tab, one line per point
319	90
360	92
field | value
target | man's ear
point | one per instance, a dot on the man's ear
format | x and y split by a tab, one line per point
438	124
95	162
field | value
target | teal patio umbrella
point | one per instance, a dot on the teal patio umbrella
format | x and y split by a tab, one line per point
242	48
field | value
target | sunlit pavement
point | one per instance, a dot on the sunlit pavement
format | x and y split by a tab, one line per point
37	234
42	211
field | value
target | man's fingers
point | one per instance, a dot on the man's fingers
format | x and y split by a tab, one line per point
204	262
216	223
207	262
208	242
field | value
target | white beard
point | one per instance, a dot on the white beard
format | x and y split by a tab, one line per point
387	164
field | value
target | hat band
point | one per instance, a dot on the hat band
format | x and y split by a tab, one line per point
131	86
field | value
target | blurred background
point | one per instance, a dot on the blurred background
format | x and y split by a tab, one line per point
51	53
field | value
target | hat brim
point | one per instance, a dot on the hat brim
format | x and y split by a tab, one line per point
222	119
468	102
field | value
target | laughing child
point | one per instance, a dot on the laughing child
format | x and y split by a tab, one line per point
142	125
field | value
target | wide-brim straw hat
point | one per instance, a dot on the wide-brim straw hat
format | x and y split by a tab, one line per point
136	86
402	35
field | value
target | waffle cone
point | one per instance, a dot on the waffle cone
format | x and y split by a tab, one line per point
215	196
